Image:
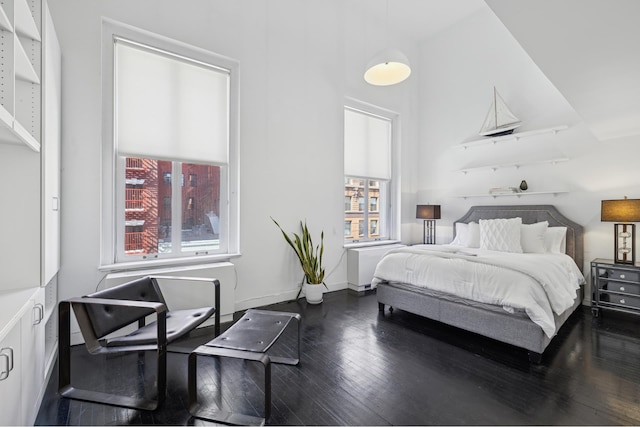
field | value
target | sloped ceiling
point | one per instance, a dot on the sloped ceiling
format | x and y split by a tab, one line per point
590	50
417	19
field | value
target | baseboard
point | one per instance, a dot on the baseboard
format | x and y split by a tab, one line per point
281	297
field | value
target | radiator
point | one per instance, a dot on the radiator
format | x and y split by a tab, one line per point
183	294
361	264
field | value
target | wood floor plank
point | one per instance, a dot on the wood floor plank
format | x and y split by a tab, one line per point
360	367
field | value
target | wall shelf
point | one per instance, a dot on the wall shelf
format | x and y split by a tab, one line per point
24	23
515	165
513	137
525	193
24	68
20	73
5	23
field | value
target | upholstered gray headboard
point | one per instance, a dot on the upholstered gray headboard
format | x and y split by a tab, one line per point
531	214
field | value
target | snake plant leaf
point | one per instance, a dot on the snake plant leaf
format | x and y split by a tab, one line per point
309	256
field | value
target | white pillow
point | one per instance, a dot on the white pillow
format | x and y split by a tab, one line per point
462	235
555	240
467	235
501	234
532	237
474	235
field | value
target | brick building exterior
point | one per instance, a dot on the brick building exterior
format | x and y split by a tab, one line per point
148	197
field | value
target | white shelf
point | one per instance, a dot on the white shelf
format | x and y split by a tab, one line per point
25	137
524	193
5	23
516	136
24	23
6	119
21	71
24	67
13	132
516	165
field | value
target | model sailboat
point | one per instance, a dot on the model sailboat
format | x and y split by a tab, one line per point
500	120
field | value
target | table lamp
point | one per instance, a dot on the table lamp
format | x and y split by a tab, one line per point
428	213
622	212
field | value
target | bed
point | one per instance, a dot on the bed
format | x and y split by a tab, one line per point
503	318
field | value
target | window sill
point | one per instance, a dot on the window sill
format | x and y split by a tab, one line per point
371	243
178	262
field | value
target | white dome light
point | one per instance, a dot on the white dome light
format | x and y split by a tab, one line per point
387	68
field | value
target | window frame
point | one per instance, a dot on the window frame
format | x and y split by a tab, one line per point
393	207
111	228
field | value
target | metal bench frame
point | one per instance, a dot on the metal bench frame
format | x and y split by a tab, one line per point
217	349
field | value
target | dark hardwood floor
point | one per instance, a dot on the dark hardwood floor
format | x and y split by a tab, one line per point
359	367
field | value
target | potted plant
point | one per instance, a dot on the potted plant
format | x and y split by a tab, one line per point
310	258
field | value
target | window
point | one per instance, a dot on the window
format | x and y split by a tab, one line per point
373	227
174	119
347	228
368	173
373	203
166	176
347	203
360	204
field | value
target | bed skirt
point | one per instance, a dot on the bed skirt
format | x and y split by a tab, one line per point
490	321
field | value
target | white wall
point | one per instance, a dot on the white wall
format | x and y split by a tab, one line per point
298	60
458	71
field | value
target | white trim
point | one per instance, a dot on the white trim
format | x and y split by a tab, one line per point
181	262
370	243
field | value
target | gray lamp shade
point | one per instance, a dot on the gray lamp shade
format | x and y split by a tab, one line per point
626	210
428	212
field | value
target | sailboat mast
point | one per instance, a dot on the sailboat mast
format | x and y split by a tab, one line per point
495	106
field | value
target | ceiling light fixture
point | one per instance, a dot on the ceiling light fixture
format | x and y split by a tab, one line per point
388	67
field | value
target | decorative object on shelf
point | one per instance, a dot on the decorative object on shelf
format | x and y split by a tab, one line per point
499	120
310	258
389	66
428	213
524	186
622	212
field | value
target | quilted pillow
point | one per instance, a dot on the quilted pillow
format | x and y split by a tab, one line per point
501	234
467	235
532	237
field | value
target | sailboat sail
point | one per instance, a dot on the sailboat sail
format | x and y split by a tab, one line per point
499	120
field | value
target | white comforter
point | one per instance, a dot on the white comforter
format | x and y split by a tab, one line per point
540	284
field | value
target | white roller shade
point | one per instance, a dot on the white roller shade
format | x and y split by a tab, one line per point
170	108
367	145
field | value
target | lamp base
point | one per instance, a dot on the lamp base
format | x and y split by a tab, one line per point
429	232
624	250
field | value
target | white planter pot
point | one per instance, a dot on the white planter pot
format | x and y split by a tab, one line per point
313	293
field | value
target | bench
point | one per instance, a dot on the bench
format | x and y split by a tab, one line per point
248	339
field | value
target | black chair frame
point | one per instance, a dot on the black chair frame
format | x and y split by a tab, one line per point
95	345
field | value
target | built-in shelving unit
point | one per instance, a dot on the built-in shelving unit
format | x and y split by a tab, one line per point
527	193
20	73
30	94
512	137
515	165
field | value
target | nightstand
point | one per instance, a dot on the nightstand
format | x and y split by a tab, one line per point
615	286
